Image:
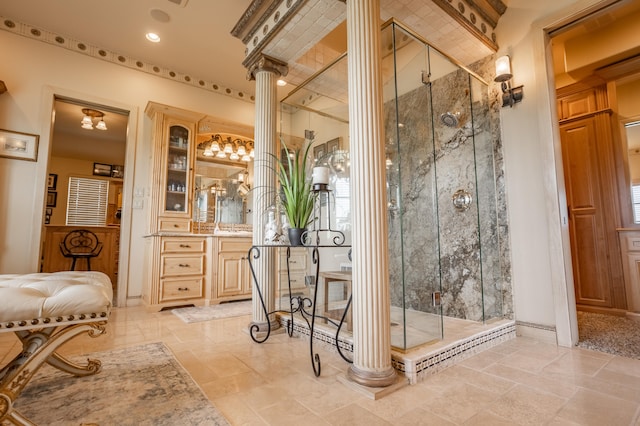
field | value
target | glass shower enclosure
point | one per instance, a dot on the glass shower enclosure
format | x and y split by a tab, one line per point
445	236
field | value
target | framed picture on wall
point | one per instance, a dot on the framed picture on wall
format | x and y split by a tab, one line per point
333	145
52	197
100	169
21	146
52	181
318	151
117	171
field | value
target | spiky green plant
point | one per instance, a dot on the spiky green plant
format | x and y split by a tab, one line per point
297	196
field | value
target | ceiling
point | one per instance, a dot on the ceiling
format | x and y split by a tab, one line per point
196	43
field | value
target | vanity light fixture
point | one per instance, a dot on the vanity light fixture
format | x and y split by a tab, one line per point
221	147
89	116
510	95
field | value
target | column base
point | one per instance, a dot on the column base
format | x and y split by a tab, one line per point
372	379
263	327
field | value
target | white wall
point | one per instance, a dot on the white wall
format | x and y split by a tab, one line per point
38	70
543	287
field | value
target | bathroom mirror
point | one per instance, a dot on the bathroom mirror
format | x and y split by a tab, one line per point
221	179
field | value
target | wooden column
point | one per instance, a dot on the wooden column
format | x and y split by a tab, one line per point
371	311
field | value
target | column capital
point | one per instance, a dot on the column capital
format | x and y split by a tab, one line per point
266	63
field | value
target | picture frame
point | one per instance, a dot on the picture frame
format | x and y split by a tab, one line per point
52	181
334	145
52	198
100	169
319	150
117	171
18	145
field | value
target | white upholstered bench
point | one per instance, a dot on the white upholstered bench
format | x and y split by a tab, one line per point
45	310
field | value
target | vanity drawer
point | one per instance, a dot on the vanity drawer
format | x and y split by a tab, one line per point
297	259
173	225
234	244
177	289
183	245
182	265
632	241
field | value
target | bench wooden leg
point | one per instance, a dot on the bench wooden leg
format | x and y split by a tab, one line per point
38	347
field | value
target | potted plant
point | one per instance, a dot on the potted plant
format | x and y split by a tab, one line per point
296	195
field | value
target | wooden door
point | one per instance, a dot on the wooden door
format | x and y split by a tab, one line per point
592	205
230	273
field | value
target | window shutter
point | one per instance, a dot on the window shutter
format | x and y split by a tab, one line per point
87	202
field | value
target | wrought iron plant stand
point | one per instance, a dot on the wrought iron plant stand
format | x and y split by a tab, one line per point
321	229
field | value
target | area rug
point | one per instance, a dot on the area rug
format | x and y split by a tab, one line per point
609	333
211	312
142	385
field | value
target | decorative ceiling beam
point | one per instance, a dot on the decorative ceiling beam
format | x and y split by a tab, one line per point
479	17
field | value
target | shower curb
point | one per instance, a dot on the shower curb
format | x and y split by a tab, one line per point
416	365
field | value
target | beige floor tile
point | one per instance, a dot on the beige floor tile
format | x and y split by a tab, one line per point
550	385
354	415
594	408
486	418
290	413
576	363
238	411
628	366
526	406
419	416
459	401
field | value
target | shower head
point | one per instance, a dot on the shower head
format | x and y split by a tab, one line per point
450	119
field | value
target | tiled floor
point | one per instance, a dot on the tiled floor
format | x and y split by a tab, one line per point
521	381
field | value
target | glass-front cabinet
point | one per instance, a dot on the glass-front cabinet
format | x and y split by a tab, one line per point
177	167
172	172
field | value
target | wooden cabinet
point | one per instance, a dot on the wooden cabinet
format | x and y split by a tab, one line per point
630	243
232	279
178	271
107	260
173	167
298	265
593	204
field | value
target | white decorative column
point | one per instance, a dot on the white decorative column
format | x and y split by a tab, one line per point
265	71
371	311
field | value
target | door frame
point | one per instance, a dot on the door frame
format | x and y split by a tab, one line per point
47	107
561	268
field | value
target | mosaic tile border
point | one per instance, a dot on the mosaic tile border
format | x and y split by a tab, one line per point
418	369
458	351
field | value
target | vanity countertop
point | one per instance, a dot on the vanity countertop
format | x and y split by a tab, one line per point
232	234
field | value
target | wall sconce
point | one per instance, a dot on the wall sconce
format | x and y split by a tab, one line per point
89	115
510	95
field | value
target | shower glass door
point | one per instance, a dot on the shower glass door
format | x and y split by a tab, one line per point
414	265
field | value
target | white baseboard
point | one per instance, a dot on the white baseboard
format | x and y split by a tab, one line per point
542	333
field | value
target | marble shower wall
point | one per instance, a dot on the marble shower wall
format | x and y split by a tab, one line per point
430	241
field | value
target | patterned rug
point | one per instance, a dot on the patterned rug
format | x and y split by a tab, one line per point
211	312
142	385
609	333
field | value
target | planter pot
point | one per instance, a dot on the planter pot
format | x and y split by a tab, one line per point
295	236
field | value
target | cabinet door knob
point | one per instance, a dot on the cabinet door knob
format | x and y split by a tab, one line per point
175	225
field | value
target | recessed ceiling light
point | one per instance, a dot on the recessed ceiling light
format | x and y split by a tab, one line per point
153	37
281	82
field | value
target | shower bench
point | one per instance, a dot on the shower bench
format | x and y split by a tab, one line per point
46	310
